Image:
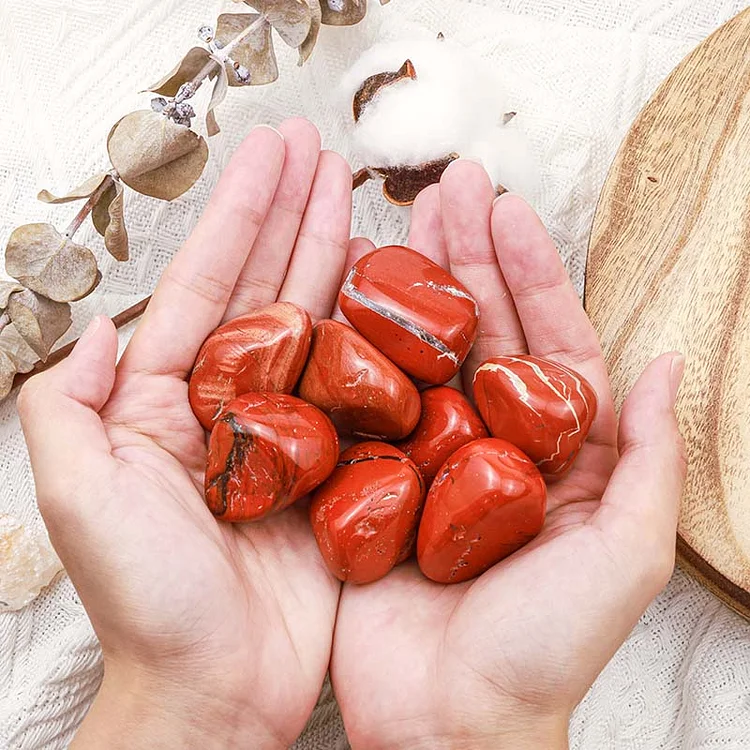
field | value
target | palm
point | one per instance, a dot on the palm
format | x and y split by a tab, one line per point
271	581
518	635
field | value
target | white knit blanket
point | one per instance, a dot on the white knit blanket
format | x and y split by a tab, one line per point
578	72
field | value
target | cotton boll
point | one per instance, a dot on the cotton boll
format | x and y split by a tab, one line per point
506	155
27	564
456	104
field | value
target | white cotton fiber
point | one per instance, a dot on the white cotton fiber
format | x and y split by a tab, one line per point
456	104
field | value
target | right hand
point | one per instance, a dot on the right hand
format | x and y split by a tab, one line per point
501	661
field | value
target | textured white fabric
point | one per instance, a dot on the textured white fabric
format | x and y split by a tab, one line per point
578	72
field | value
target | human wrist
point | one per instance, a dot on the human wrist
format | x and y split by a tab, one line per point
537	733
135	709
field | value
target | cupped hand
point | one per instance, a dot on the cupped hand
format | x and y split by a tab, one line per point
223	631
501	661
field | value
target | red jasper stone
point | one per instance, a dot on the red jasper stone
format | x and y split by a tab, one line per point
487	501
413	310
361	391
448	421
540	406
365	515
263	351
266	451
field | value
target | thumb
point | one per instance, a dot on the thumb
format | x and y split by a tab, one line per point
58	411
640	507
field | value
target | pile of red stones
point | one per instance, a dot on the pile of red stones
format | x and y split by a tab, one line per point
469	490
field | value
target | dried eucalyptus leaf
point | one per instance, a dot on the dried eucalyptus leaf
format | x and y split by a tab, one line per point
115	234
185	71
311	39
403	184
290	18
13	344
217	97
100	212
7	374
50	264
85	190
40	321
6	289
255	52
155	156
371	86
343	12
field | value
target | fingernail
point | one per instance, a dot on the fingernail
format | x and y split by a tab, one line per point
89	333
270	127
676	372
494	203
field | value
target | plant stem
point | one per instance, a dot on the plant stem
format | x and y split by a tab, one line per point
88	207
219	57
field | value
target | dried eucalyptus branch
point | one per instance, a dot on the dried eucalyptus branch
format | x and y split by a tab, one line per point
154	152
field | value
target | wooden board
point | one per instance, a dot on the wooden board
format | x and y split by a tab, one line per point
669	268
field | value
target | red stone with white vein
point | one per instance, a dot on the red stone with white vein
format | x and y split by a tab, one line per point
412	310
263	351
540	406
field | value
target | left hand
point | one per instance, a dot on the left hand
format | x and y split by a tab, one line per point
501	661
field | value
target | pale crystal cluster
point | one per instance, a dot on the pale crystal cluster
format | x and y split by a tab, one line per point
27	564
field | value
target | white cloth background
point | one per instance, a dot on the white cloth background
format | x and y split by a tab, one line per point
578	71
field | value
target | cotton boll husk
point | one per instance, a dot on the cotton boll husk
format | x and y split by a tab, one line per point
456	104
27	564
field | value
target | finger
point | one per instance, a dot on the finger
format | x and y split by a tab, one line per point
192	295
426	230
554	321
263	274
317	264
466	196
58	408
640	507
358	248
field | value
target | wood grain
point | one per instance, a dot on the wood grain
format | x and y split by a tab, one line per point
669	268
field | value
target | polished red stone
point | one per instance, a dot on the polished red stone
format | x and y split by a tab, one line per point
365	515
538	405
263	351
487	501
360	390
413	310
448	421
266	451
